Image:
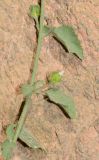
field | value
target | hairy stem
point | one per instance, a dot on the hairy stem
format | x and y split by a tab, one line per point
35	67
22	118
40	39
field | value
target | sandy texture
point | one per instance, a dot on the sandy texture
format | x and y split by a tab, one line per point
63	138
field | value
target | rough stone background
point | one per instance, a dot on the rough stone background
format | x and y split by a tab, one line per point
63	138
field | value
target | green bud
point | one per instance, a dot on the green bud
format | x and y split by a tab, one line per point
55	77
34	11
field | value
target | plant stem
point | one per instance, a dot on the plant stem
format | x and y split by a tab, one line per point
22	118
40	40
35	67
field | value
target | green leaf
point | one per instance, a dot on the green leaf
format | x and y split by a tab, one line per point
38	85
8	145
27	89
28	139
47	30
55	77
67	36
7	148
57	96
34	11
10	131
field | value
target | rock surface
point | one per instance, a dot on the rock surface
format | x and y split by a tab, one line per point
63	138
